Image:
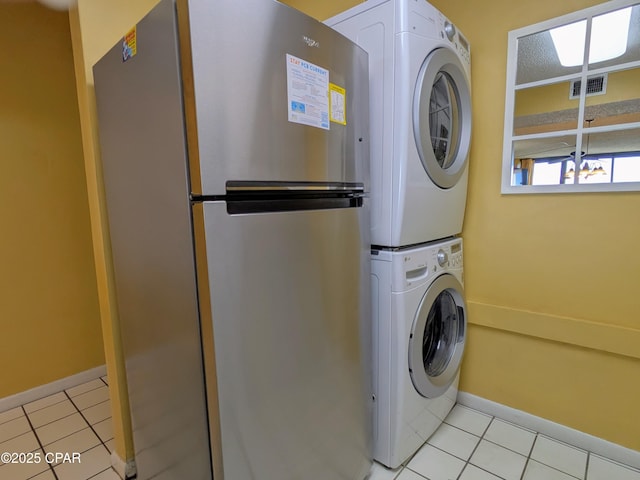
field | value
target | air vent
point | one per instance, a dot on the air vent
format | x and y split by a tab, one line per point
595	86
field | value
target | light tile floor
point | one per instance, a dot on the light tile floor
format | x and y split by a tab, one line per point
473	446
468	446
76	422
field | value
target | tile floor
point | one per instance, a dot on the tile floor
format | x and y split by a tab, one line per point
468	446
473	446
75	421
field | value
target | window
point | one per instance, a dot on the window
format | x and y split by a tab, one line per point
572	118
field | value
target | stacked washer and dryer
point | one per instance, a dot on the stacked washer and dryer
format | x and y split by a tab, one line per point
420	121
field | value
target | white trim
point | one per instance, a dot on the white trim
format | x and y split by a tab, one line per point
549	81
574	131
555	430
41	391
124	469
571	188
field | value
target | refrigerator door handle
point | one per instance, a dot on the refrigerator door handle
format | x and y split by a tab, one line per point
245	197
246	204
245	186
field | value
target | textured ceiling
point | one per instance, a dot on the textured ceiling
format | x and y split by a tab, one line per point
537	58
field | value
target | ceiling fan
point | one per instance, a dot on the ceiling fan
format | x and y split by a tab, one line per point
584	155
585	168
585	164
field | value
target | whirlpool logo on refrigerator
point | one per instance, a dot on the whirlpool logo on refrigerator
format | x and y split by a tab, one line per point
310	41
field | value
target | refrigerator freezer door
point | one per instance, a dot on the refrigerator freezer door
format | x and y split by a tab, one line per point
290	308
146	186
253	61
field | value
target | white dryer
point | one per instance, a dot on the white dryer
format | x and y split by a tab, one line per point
420	118
419	331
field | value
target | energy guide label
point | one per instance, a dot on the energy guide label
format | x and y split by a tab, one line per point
338	104
129	45
307	93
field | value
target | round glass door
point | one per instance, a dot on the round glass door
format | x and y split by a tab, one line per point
444	120
437	337
442	117
440	334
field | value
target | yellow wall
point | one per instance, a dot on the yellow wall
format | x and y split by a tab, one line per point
545	99
552	281
49	317
550	98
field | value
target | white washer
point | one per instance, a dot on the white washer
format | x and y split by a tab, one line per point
420	118
419	331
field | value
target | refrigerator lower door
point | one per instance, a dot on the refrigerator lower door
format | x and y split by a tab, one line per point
289	307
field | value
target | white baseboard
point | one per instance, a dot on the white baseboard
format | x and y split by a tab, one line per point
41	391
555	430
124	469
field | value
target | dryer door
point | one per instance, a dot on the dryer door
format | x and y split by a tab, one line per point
442	117
437	338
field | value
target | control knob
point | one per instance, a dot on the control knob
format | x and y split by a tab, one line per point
442	257
449	30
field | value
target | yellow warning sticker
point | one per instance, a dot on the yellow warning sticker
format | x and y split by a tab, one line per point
337	104
129	47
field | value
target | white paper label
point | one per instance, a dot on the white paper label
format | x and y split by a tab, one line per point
307	93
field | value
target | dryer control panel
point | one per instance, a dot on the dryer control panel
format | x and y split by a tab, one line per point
448	31
422	18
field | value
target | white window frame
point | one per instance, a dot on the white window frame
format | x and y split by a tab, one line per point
511	88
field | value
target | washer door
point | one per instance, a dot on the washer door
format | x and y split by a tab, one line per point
437	337
442	117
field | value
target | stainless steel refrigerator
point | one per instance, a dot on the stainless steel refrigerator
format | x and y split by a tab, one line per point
234	147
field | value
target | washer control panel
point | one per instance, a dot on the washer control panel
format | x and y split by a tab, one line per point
447	256
412	266
455	257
